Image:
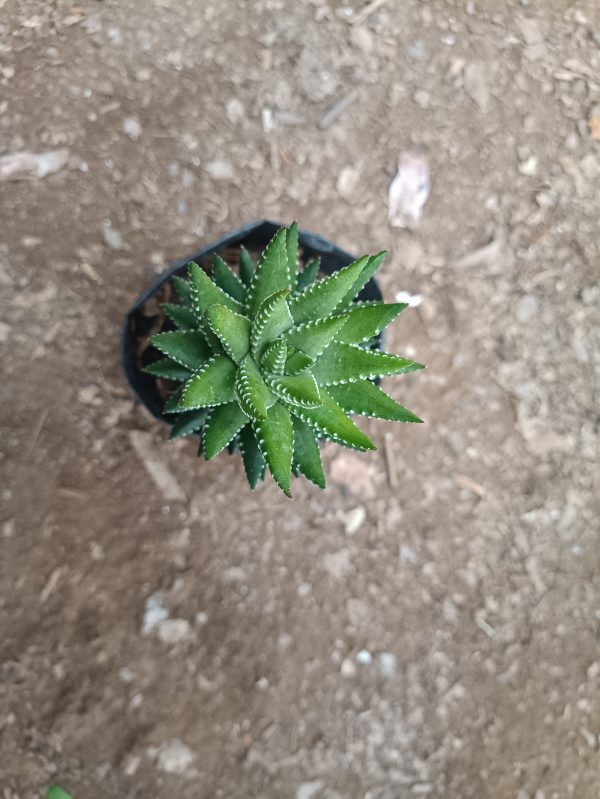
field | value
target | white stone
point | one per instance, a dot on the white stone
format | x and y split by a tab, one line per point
353	520
364	657
126	675
347	182
220	170
235	110
132	127
347	669
171	631
529	167
174	757
112	238
307	790
594	670
412	300
526	308
386	663
154	612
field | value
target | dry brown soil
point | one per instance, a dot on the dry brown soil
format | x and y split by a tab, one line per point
427	627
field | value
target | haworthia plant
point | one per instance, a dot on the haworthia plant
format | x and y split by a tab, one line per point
268	359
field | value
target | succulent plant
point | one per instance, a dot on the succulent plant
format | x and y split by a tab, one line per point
271	360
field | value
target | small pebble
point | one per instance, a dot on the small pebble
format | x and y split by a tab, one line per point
112	238
307	790
347	669
235	111
386	663
529	167
174	757
172	631
220	170
354	519
526	308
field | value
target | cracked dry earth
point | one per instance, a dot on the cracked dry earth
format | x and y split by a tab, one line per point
429	626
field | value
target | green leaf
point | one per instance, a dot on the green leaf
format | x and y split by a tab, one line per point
367	272
251	391
308	275
272	319
246	267
271	273
188	348
314	336
307	457
232	330
205	292
274	357
227	280
331	421
365	398
56	792
172	403
182	316
222	425
299	390
365	321
275	436
292	252
182	289
320	299
213	384
168	369
254	463
297	362
345	363
188	423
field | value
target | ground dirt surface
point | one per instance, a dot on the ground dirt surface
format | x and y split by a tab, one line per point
427	627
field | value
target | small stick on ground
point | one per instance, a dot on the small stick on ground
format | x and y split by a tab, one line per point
336	110
366	11
36	433
390	459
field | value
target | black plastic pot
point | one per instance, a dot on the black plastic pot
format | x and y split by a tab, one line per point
254	236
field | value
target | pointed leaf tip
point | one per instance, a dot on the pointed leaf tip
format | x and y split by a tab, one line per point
254	463
320	299
346	363
272	273
228	280
365	398
275	436
204	292
222	425
331	421
307	457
